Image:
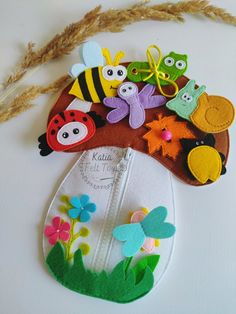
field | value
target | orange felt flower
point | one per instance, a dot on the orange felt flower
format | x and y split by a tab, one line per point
165	133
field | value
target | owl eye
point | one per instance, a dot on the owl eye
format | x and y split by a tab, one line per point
109	73
169	61
180	64
121	73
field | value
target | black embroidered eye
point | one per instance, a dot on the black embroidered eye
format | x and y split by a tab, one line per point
65	134
120	72
124	90
110	72
130	87
85	119
76	131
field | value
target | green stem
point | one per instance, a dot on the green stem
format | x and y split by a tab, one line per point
71	240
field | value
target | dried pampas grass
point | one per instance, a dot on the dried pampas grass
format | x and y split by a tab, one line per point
93	22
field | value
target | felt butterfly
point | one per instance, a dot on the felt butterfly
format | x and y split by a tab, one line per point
132	103
152	226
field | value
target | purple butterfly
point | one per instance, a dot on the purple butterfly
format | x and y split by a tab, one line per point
132	103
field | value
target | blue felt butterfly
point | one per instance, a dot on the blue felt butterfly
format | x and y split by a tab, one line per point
91	54
152	226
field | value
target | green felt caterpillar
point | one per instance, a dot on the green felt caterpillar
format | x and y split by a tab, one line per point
173	65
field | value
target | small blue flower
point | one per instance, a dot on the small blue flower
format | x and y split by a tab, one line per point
81	208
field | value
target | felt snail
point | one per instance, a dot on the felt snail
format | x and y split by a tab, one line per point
210	114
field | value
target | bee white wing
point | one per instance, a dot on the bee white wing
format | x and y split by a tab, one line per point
76	69
91	54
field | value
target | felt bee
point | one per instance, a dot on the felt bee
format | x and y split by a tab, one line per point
173	65
94	81
68	129
135	234
203	160
208	113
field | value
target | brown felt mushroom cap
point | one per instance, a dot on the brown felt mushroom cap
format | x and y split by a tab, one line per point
122	135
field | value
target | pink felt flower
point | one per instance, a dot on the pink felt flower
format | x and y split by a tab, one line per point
59	230
149	243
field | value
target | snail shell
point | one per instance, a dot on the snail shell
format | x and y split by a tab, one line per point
213	114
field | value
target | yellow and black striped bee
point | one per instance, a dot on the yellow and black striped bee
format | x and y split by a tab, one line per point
93	80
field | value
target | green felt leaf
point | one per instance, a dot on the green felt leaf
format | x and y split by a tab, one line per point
139	269
140	289
56	262
119	286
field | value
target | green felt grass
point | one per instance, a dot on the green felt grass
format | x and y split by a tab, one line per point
124	284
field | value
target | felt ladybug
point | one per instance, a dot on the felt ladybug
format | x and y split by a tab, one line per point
68	129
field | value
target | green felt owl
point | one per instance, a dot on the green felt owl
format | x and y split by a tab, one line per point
173	65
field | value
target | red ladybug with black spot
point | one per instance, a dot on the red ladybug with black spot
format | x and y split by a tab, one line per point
68	129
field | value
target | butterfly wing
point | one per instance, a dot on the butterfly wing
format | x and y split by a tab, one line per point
132	235
121	109
154	226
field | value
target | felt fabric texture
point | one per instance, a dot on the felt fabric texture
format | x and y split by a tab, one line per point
185	102
169	148
189	144
121	135
149	243
153	226
93	81
205	163
81	208
133	103
124	284
150	260
44	148
213	114
91	54
68	129
174	65
58	230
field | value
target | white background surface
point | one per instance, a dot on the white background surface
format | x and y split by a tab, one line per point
202	275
